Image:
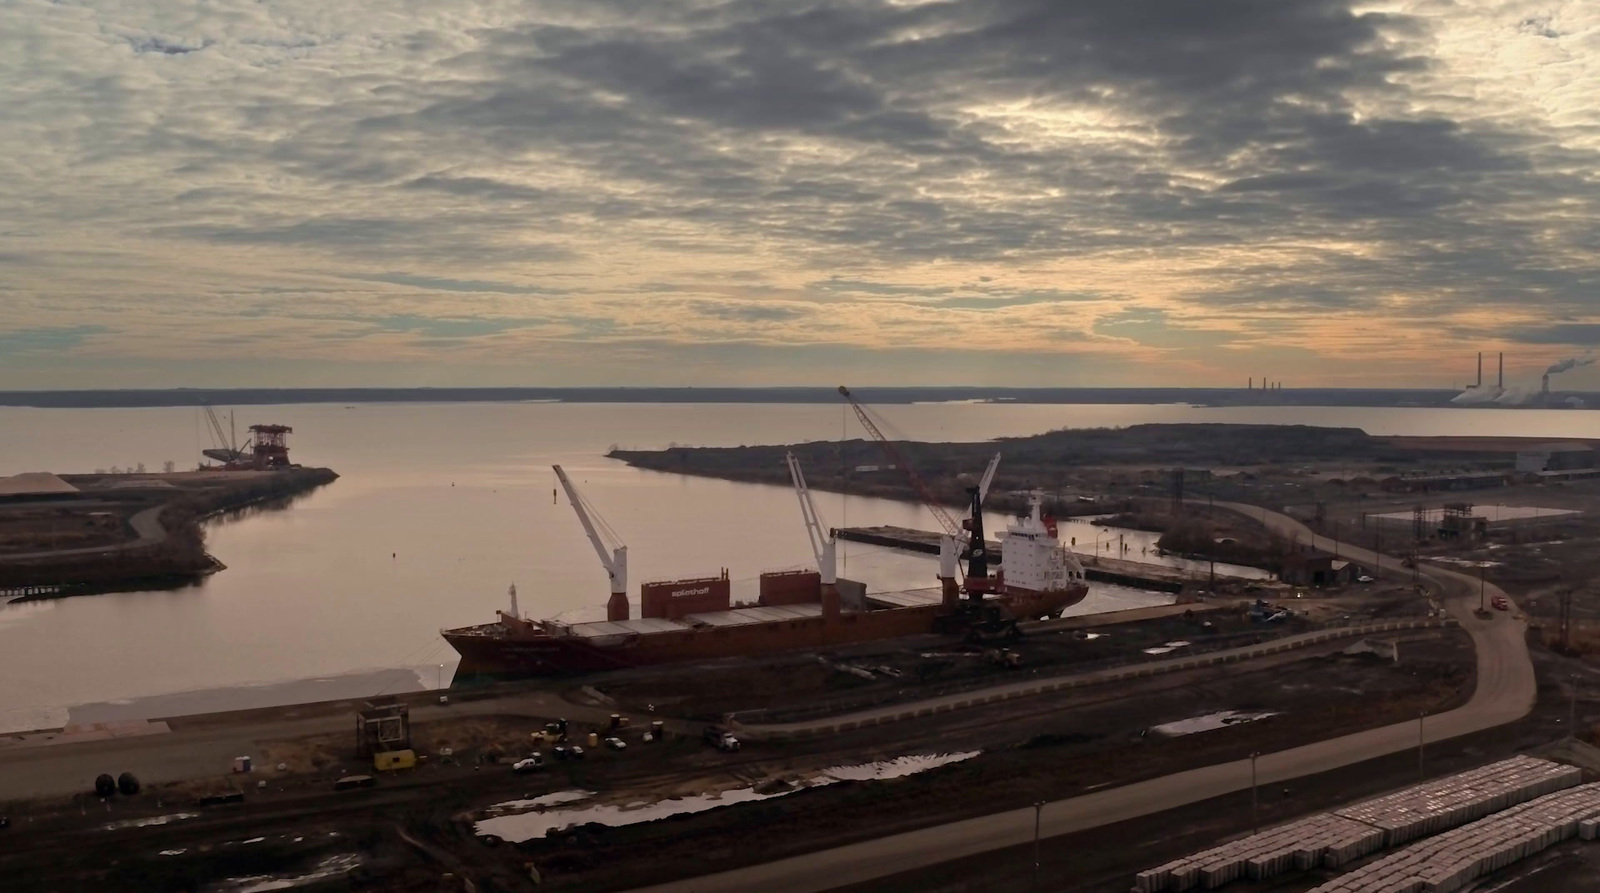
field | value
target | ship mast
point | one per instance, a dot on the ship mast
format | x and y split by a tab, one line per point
615	563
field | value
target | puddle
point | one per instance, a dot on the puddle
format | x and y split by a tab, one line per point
1207	723
327	868
153	820
898	767
1464	562
174	852
523	826
1167	648
556	799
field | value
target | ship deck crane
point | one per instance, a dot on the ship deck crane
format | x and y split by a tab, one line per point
948	523
988	478
822	539
822	543
615	561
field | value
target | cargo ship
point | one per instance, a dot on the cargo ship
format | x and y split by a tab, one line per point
695	620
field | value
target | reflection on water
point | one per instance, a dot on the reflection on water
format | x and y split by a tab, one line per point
441	506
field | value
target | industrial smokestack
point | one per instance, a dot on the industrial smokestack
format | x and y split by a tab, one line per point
1480	370
1544	387
1501	381
1250	384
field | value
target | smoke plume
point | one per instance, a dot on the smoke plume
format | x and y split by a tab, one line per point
1568	363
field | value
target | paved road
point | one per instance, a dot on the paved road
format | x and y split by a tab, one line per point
1038	685
1505	692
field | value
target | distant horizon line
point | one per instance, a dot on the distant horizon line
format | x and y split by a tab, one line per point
86	398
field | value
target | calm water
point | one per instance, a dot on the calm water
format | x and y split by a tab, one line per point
441	506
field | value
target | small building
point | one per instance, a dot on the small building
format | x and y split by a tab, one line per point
1316	569
1555	457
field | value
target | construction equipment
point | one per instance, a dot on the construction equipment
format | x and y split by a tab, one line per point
615	561
225	446
948	523
1003	658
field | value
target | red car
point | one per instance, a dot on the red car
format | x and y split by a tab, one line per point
1499	603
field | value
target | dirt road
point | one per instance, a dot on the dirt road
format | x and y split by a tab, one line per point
1505	691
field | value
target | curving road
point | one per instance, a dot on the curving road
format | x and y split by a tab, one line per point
1505	692
146	526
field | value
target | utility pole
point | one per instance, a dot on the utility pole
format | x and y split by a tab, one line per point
1038	816
1481	607
1422	772
1255	801
1572	714
1377	553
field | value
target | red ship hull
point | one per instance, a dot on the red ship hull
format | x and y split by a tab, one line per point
516	648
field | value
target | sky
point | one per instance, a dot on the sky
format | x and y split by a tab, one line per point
786	192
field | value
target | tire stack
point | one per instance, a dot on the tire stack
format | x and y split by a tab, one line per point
1452	860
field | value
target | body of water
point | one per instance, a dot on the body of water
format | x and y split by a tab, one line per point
441	506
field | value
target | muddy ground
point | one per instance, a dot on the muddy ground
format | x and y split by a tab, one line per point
412	829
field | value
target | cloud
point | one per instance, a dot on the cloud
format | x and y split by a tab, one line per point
1576	333
1147	176
46	340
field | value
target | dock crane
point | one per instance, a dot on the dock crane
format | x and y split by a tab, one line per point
988	478
949	524
227	448
823	543
615	561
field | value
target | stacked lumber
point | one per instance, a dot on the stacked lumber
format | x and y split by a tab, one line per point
1334	839
1455	858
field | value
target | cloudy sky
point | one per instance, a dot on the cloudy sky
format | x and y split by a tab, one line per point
1021	192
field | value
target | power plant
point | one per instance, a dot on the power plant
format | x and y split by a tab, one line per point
1481	395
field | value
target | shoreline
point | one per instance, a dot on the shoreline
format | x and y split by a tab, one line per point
164	512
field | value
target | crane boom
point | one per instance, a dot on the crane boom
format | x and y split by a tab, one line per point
822	546
988	478
948	523
615	562
216	428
